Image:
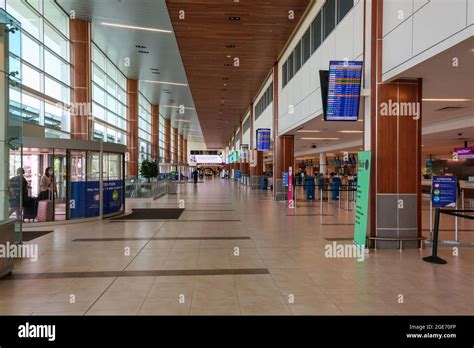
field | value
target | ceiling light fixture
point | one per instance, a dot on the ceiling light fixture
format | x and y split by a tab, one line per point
174	107
446	100
309	131
166	83
123	26
351	131
319	138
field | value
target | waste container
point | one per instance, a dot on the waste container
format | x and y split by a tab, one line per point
309	185
173	187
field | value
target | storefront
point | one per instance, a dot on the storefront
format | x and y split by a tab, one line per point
87	178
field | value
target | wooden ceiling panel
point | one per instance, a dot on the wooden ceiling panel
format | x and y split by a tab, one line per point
223	93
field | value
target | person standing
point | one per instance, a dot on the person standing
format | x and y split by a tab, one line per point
47	187
195	176
18	193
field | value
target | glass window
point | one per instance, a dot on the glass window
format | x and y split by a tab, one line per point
316	32
45	63
343	7
290	66
297	57
329	17
306	41
284	74
109	110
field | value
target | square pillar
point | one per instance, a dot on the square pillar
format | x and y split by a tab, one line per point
132	124
176	145
81	80
167	140
155	124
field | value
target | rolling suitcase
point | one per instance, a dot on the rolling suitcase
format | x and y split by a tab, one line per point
45	209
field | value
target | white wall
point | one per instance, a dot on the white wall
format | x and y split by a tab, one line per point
246	135
193	145
415	30
303	91
265	120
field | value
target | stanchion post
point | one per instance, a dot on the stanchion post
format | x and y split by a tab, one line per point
434	257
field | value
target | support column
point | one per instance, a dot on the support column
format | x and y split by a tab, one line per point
175	144
323	164
283	146
132	123
155	124
167	140
81	83
181	152
185	151
395	142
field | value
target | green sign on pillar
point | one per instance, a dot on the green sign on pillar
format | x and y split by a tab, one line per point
362	205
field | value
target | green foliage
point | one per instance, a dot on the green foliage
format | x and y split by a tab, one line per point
149	169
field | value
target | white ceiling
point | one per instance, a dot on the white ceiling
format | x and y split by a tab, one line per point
119	44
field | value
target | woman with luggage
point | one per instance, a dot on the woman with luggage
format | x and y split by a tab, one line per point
47	187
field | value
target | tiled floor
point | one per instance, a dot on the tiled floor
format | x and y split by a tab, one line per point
287	253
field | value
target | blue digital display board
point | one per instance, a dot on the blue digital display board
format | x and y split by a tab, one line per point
344	83
263	139
443	191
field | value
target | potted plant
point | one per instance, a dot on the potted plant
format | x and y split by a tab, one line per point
149	170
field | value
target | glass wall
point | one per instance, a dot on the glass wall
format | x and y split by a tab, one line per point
45	66
172	149
109	97
161	139
144	128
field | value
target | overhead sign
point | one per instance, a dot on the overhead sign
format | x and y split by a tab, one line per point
465	152
263	139
344	91
362	201
444	191
208	159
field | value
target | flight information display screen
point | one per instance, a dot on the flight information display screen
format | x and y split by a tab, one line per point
343	91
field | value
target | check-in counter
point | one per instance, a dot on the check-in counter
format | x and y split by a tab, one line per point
7	235
467	191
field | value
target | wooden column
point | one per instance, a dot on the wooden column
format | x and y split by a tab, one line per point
176	140
155	124
132	124
185	151
395	141
181	150
81	67
167	140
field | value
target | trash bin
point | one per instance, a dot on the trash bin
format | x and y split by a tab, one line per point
309	185
173	187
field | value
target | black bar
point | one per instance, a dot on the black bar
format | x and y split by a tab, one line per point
434	257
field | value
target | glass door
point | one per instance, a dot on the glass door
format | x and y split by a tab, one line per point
78	185
60	170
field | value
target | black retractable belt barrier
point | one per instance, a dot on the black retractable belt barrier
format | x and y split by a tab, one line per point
434	257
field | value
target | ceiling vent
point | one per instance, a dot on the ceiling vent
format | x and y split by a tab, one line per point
451	108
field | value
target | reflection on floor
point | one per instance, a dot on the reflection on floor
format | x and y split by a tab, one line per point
233	251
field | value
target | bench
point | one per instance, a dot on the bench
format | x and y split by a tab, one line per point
400	240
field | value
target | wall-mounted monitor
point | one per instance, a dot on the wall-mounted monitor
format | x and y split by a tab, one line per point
340	88
263	139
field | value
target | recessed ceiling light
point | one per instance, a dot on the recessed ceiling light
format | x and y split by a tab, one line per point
166	83
319	138
446	100
351	131
309	131
123	26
